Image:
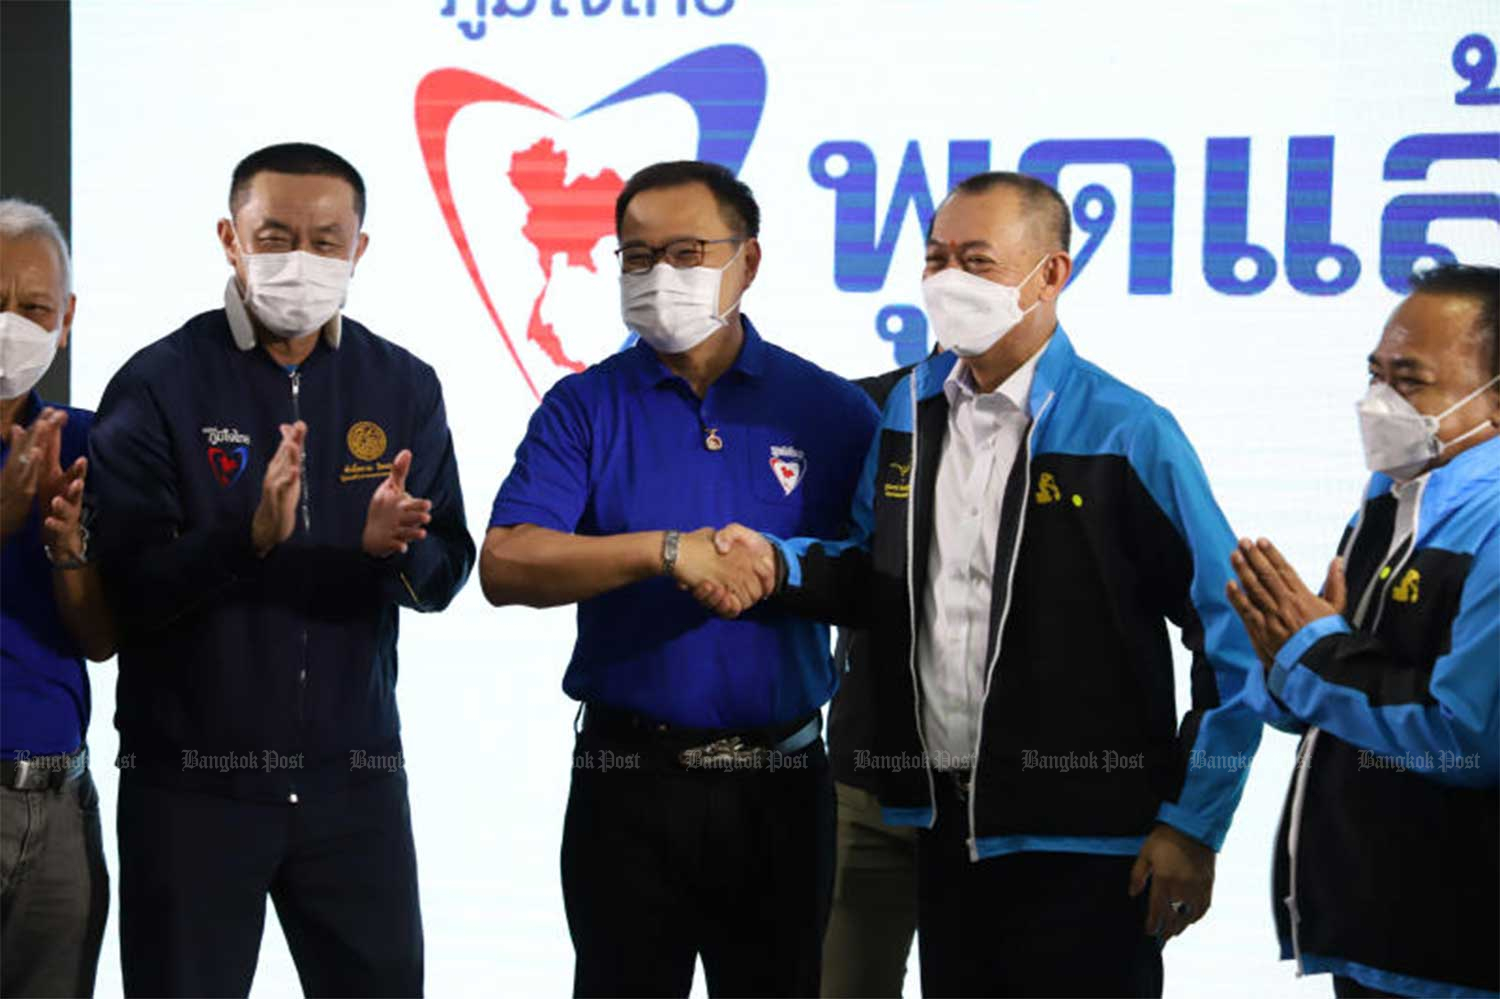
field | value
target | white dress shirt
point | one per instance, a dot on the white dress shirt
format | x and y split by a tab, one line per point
985	432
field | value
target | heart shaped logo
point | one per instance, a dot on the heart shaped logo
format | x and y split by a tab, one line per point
229	465
724	86
787	464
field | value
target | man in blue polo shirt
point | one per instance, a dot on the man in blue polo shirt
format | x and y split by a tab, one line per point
700	821
54	888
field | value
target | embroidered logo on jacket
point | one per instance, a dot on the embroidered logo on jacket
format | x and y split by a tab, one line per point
1048	491
898	487
228	453
788	464
367	443
1406	591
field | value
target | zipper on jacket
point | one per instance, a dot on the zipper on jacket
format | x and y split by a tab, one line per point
1309	741
306	506
911	604
1010	579
297	415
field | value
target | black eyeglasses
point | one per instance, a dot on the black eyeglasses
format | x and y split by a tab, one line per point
679	253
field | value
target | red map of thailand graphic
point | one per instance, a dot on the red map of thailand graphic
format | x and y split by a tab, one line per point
563	217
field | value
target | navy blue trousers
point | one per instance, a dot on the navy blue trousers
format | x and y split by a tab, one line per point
195	871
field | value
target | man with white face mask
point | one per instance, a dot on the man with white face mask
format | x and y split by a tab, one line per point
53	879
700	821
1025	528
1390	675
275	483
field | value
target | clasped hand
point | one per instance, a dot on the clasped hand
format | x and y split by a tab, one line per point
728	571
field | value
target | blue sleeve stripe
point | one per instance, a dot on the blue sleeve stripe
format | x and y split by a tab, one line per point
1113	846
1296	647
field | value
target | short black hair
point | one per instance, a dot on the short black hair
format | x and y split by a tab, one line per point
736	202
1476	282
1056	227
301	158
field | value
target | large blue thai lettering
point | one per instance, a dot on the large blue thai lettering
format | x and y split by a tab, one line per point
905	328
1474	62
1309	219
1152	186
860	260
1226	211
1406	219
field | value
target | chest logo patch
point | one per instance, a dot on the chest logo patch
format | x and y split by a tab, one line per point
366	440
228	453
899	486
1046	489
1407	591
788	465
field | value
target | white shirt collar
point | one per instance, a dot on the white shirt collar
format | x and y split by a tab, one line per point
1016	388
244	332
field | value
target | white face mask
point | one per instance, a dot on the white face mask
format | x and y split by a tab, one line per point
1399	440
26	352
970	314
675	309
294	293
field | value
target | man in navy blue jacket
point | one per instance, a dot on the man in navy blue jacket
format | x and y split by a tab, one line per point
274	481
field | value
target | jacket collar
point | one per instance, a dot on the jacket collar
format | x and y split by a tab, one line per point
1056	361
1471	471
244	333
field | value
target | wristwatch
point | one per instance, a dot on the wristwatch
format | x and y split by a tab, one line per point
78	561
669	543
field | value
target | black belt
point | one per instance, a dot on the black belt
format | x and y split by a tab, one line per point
706	748
41	773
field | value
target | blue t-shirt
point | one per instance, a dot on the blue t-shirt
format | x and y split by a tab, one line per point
622	447
44	689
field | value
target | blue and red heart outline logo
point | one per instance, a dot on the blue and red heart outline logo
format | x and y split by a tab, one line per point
228	464
725	85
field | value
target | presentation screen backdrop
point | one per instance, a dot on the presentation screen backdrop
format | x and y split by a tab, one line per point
1251	184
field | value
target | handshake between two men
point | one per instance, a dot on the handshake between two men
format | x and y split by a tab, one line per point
729	570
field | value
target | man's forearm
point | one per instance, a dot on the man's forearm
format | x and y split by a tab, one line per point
79	595
540	567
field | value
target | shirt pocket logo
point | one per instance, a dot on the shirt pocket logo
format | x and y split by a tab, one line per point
788	465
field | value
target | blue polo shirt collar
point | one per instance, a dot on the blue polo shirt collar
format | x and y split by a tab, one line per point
750	363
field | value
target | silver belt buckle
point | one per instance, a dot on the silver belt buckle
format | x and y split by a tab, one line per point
721	754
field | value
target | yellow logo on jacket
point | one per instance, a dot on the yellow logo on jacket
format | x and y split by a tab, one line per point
1046	490
367	443
899	487
1407	591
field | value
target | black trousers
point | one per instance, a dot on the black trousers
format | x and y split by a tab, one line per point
195	870
54	890
1027	924
662	865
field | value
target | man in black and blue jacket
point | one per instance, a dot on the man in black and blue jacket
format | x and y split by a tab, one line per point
274	482
1387	869
1025	527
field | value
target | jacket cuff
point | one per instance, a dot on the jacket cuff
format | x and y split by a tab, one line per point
788	566
1209	833
1292	651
